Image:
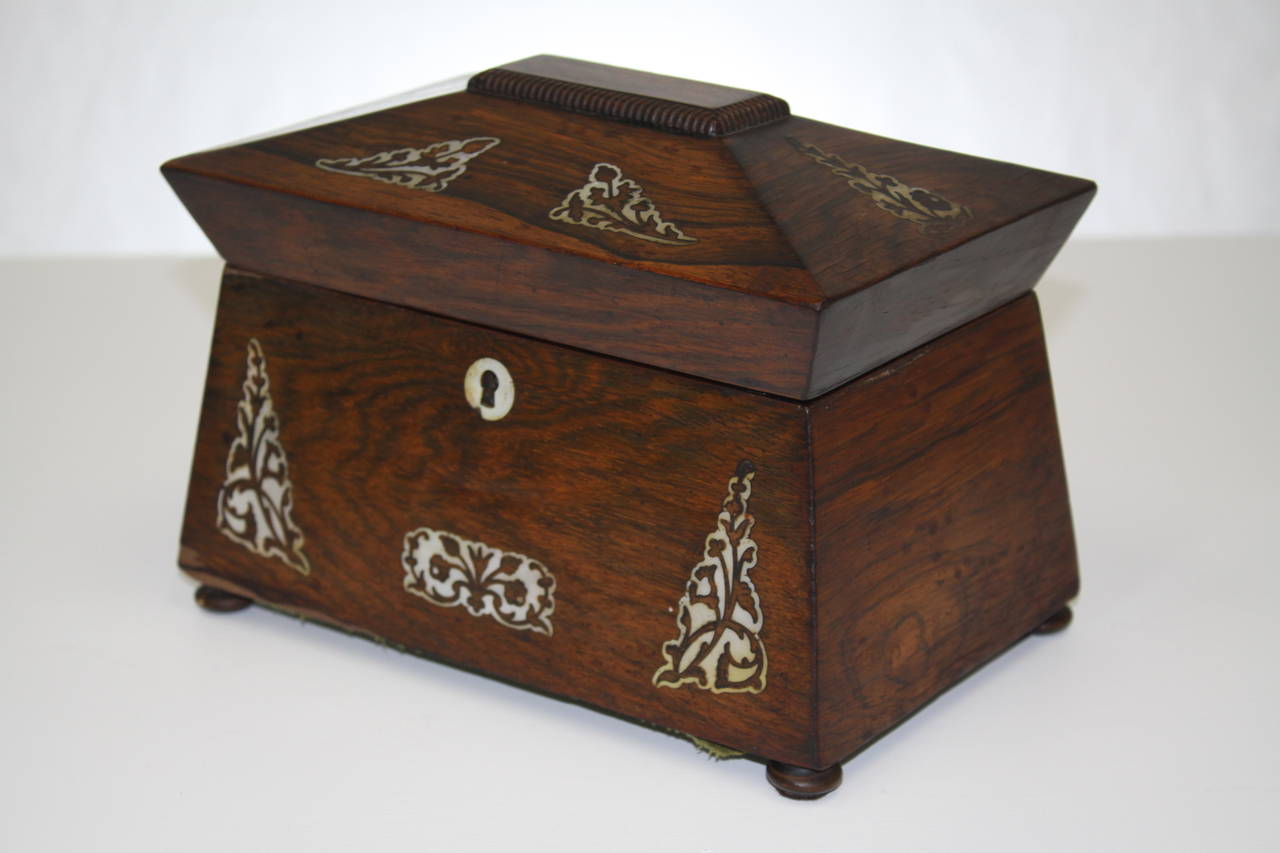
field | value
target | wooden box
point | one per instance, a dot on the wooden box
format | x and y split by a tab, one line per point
640	392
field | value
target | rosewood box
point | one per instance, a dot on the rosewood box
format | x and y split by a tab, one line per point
640	392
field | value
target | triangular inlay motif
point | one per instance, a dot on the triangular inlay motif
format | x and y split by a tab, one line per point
930	212
432	168
255	503
719	617
610	202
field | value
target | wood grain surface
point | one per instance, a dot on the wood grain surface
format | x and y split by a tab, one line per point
888	284
849	243
609	474
509	191
909	526
942	526
643	317
787	276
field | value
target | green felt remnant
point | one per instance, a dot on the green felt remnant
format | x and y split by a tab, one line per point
715	750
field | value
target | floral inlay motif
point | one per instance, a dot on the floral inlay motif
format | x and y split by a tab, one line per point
255	503
610	202
930	212
432	168
719	617
448	570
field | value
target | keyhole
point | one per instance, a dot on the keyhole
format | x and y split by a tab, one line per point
489	386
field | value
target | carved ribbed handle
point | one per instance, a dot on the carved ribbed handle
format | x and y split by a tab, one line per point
636	97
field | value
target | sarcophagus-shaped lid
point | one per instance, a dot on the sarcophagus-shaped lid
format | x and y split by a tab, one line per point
693	227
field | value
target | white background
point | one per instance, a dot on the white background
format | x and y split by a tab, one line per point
130	720
1173	107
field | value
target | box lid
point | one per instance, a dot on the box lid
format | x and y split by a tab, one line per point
688	226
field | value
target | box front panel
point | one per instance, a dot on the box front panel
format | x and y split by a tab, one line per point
603	531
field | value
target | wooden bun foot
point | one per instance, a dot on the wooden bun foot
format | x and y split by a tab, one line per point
220	601
800	783
1055	623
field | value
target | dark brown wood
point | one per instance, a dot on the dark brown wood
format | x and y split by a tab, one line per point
608	473
219	600
942	526
889	284
783	273
800	783
643	317
1055	623
847	239
508	192
887	515
636	97
936	509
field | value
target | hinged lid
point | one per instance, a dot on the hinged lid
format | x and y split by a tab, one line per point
692	227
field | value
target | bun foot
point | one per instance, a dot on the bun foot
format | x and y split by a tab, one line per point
1055	623
220	601
800	783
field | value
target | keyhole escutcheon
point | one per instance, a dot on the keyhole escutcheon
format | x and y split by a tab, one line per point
489	388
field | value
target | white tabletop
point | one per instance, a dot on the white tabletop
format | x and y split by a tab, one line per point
131	720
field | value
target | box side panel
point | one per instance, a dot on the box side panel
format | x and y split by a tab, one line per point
943	530
551	547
